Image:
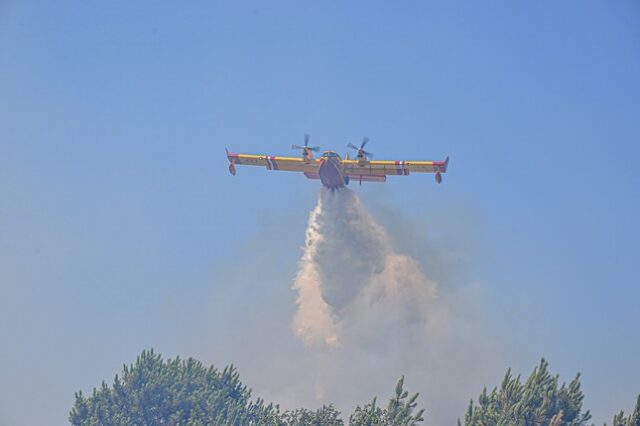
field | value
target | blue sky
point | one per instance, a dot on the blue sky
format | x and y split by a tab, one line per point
116	206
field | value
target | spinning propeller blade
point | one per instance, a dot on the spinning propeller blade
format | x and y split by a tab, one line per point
361	149
306	146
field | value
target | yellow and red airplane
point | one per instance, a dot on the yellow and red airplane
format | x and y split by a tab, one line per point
335	172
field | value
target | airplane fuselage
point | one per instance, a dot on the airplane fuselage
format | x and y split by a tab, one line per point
331	171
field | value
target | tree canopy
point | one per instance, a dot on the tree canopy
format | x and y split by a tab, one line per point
632	420
175	392
541	400
153	391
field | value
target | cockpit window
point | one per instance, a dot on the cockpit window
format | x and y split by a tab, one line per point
330	154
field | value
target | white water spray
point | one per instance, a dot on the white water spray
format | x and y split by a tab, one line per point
368	314
353	285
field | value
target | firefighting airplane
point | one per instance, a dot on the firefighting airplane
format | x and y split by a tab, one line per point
333	171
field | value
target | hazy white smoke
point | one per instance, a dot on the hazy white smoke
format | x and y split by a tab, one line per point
354	288
366	312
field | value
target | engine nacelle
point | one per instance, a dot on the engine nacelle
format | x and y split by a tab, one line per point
307	155
232	169
438	177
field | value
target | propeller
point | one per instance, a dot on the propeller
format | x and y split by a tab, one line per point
306	146
360	149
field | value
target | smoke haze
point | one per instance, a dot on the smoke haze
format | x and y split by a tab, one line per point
368	313
353	287
368	303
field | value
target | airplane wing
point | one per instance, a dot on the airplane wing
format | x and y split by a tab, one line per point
272	162
378	170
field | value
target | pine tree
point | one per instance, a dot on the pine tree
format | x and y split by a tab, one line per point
369	415
399	411
539	401
633	419
174	392
325	416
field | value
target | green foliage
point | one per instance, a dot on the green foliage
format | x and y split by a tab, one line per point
369	415
175	392
539	401
632	420
327	415
399	412
184	392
